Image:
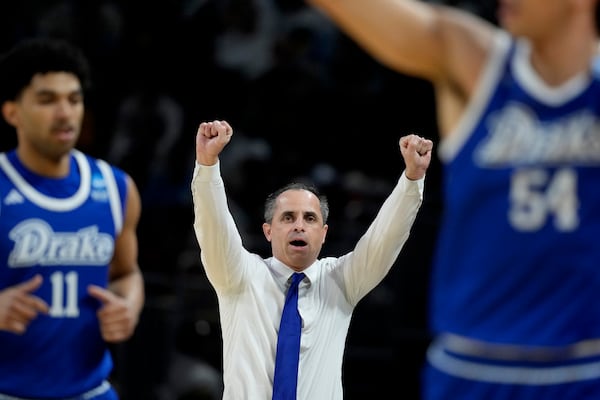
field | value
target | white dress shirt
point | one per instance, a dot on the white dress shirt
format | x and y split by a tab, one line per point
251	291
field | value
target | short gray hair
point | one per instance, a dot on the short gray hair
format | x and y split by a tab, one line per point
271	199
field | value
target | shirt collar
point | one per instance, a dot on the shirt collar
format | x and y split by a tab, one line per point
283	273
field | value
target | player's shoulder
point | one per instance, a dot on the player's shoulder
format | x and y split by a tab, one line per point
104	164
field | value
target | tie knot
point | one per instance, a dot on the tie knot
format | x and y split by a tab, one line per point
296	278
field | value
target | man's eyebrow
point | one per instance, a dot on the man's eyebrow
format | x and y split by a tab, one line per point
47	91
311	214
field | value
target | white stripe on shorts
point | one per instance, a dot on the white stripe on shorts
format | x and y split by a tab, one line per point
90	394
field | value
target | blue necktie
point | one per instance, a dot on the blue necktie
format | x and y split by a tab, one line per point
285	380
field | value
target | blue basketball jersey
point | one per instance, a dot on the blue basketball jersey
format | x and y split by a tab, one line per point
63	229
517	260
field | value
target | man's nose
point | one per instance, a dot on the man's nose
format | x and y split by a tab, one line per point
299	224
64	108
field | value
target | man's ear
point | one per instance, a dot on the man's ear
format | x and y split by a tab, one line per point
267	231
9	112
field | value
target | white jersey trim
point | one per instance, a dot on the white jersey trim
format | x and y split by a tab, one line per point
47	202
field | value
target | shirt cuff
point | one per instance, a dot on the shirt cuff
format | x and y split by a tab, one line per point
206	173
414	186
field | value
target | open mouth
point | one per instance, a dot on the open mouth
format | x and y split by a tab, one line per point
298	243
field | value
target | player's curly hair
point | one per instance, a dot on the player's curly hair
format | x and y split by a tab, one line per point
40	55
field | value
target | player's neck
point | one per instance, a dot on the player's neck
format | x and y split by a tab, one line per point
44	165
558	59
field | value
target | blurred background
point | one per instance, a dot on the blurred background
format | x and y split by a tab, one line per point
305	103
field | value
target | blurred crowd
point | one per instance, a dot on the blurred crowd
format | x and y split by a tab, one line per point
305	103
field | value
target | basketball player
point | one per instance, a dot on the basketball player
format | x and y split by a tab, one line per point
516	276
69	279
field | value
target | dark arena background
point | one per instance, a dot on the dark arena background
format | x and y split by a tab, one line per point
305	103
